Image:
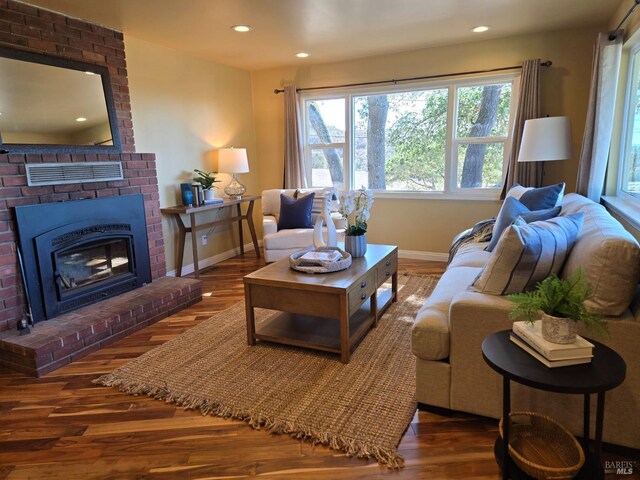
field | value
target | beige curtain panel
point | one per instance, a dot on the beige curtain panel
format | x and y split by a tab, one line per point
528	174
294	168
599	125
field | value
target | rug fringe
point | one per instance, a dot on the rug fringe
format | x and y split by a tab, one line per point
353	448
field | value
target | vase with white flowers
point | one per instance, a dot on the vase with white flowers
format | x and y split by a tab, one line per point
355	208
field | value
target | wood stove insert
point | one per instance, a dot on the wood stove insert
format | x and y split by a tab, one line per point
76	253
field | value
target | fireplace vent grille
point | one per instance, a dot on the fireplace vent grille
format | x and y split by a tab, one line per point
64	173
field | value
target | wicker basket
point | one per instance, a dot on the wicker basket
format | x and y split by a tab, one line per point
542	448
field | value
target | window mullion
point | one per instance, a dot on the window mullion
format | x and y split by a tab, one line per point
450	161
348	167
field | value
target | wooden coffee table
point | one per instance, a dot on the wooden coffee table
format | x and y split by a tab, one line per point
323	311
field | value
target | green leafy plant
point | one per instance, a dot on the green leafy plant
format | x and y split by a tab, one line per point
206	179
559	298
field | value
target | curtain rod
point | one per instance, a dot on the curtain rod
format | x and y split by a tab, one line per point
548	63
614	33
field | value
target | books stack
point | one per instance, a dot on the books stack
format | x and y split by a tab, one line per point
317	257
529	337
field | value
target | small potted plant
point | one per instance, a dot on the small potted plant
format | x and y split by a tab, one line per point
560	303
355	207
207	181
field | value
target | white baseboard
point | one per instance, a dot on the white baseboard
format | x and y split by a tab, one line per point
419	255
207	262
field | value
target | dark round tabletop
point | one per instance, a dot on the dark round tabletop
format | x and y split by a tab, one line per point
605	372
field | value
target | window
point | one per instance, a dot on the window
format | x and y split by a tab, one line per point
629	166
448	138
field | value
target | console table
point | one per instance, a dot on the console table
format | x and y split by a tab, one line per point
177	212
606	371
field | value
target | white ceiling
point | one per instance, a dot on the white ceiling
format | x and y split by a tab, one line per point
330	30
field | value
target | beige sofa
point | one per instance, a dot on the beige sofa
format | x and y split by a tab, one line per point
449	329
282	243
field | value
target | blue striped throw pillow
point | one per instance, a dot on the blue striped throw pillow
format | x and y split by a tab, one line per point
527	254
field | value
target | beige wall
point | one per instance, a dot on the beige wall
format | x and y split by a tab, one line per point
183	108
429	225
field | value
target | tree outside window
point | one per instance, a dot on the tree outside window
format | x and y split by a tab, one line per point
403	140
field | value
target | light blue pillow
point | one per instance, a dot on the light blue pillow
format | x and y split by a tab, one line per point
538	198
511	209
527	254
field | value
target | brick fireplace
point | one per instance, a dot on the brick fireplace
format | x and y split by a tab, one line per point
36	30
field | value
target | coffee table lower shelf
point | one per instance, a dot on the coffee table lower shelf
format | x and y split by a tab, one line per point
591	470
318	333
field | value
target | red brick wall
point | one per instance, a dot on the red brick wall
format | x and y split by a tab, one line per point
29	28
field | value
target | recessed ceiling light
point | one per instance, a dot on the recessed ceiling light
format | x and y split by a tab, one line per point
302	54
480	29
241	28
81	119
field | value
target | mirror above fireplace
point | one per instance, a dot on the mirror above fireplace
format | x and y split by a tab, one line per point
52	104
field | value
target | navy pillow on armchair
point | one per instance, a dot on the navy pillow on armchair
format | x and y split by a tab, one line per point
295	213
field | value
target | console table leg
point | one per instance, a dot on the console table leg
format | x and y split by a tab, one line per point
194	244
240	234
182	238
506	424
586	423
252	228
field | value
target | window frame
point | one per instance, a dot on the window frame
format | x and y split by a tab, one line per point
451	189
627	126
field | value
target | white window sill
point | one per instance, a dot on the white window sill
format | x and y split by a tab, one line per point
492	196
628	209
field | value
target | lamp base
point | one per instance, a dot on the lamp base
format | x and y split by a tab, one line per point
235	189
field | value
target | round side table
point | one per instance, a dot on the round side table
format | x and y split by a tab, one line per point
605	372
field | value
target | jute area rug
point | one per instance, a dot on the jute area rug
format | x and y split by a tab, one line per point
362	408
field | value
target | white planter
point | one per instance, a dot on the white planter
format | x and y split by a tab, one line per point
209	194
558	330
356	245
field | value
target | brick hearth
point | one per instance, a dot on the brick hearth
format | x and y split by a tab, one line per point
52	344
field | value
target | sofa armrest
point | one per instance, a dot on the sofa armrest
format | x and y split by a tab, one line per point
269	224
477	315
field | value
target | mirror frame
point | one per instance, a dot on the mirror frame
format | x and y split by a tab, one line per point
72	65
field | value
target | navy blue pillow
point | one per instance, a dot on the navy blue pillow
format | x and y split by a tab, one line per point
512	209
538	198
295	213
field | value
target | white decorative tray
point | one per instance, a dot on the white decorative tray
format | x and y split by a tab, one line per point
319	266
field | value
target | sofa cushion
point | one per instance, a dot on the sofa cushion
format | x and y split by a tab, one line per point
295	213
527	254
538	198
609	255
430	332
297	238
511	209
471	255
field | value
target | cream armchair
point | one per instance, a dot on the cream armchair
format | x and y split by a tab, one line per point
281	244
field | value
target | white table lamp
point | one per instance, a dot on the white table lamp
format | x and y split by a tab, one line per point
233	161
546	139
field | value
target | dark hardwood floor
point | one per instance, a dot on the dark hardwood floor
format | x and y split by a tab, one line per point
63	426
